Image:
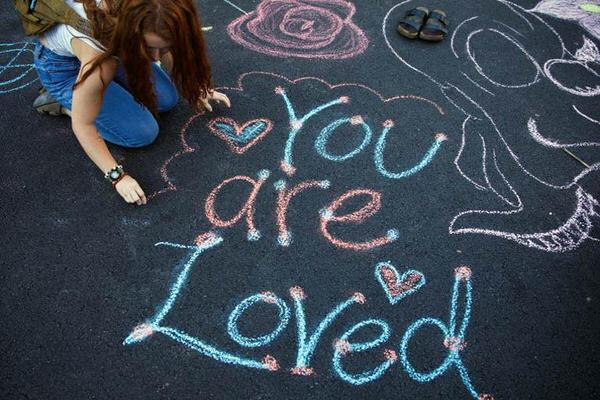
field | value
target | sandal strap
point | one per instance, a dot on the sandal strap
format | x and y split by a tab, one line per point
413	22
439	17
416	13
435	25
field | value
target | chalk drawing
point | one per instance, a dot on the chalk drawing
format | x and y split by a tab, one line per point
232	128
185	149
325	134
268	298
454	339
247	209
454	331
343	347
317	29
369	209
19	55
584	12
240	138
396	286
427	158
153	325
479	123
585	116
296	125
307	345
587	57
284	196
235	6
538	137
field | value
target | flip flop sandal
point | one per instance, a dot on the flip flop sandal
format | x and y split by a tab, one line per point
46	104
436	27
413	21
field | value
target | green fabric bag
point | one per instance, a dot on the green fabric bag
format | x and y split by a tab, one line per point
38	16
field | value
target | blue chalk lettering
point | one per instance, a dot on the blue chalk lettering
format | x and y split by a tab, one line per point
325	134
284	317
348	347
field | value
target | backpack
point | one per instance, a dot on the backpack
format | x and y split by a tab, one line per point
37	16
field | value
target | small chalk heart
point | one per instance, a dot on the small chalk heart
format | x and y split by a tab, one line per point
240	138
396	286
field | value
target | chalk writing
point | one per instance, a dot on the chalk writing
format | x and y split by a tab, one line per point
454	331
246	210
296	125
356	217
20	62
327	215
300	28
284	196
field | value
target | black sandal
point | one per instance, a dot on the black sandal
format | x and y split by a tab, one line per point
436	27
413	22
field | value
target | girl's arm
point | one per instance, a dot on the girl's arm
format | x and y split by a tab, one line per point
87	101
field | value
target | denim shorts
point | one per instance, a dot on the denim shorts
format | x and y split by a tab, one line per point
122	120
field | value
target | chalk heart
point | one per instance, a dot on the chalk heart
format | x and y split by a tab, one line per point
238	137
398	286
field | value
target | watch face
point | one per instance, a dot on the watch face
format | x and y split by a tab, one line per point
114	174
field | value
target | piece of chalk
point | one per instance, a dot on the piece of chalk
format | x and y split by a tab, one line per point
207	28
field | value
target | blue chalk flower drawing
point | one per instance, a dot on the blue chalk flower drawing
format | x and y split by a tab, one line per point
585	12
16	69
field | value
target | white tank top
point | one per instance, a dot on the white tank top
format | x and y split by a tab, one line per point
58	38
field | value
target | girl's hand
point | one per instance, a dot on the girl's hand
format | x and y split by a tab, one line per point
215	96
131	191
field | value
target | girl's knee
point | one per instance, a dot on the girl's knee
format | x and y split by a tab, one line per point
146	133
167	99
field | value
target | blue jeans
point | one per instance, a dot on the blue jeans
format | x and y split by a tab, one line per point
122	120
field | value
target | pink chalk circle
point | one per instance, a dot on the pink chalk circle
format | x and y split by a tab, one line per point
440	137
388	123
356	120
390	354
297	293
141	332
205	237
270	363
359	298
454	343
302	371
269	297
320	29
287	168
463	273
341	346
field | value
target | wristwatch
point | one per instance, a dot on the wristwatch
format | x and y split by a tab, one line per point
115	174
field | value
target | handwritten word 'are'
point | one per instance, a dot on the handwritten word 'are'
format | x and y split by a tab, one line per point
285	195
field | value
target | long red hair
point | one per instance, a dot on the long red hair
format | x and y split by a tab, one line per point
120	28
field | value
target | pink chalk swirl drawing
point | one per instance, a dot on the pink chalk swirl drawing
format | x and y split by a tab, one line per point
301	28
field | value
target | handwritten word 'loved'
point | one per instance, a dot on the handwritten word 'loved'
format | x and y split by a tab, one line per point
453	331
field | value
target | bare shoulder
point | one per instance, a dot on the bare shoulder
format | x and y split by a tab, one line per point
86	53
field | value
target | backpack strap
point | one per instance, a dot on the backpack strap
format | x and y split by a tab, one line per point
37	16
